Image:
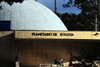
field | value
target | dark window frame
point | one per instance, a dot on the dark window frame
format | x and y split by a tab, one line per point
5	25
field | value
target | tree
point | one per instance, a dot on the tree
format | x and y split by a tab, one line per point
76	22
88	8
0	7
88	56
10	2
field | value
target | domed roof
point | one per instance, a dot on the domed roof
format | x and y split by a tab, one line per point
30	15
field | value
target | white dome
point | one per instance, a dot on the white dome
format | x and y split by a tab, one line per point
30	15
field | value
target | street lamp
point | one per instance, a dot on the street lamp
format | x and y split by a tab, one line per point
55	7
96	15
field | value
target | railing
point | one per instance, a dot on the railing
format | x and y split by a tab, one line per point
44	64
17	64
52	65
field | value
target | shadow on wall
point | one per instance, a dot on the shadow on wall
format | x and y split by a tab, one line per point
6	50
32	52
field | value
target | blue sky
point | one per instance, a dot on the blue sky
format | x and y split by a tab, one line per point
50	5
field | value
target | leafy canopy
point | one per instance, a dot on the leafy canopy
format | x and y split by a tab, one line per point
10	2
87	6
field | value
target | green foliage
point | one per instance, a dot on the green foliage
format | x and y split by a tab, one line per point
88	55
0	7
85	5
10	2
80	22
86	19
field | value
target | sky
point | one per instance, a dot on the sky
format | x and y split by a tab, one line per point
50	5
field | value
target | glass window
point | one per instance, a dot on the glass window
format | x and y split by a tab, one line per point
5	25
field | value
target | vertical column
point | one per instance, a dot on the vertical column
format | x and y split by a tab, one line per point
55	7
96	15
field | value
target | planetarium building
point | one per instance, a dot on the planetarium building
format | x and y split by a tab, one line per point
21	19
30	15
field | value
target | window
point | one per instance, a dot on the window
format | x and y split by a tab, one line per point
5	25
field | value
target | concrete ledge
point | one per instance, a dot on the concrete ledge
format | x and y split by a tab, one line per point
4	33
90	35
